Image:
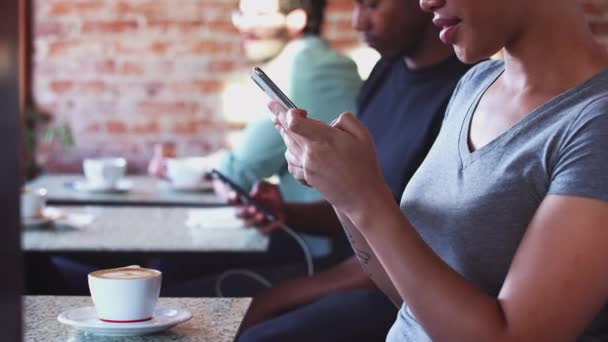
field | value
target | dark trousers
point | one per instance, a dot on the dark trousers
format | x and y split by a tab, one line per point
355	315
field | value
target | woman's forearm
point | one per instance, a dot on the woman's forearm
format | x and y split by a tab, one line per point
368	261
447	305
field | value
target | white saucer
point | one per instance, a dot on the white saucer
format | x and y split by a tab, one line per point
123	185
85	319
47	216
200	187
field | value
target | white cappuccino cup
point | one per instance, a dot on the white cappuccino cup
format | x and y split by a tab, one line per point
187	172
126	294
104	172
33	202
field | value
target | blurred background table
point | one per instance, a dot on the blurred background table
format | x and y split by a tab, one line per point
143	230
213	320
145	191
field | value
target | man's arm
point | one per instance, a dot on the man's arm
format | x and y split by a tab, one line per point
260	154
294	293
313	218
368	260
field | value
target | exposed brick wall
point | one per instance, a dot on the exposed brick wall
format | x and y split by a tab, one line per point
128	73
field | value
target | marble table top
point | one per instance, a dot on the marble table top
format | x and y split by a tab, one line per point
145	191
213	319
145	229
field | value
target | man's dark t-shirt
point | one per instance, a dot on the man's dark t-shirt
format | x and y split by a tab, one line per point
403	109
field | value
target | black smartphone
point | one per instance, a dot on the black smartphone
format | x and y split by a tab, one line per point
267	85
243	195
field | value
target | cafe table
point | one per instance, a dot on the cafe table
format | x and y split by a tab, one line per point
213	320
140	190
149	230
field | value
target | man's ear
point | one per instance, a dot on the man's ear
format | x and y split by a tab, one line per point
296	21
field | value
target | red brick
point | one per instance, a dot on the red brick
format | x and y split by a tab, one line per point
116	127
92	87
49	28
221	66
62	8
148	9
60	87
105	66
340	6
221	26
168	107
198	86
220	6
159	48
132	69
93	127
187	26
344	44
150	127
343	25
188	128
62	47
109	26
211	47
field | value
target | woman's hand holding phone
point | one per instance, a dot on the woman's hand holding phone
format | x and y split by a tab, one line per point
339	160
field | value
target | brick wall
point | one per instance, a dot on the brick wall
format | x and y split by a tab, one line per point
125	74
128	73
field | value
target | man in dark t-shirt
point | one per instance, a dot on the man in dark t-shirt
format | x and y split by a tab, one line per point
402	104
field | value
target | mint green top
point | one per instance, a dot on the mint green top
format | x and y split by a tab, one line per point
315	78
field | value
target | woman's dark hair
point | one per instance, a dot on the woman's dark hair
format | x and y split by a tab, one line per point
315	10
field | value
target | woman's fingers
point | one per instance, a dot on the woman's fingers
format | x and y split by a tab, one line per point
304	129
280	112
347	122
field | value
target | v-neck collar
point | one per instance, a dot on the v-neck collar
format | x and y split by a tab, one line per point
468	157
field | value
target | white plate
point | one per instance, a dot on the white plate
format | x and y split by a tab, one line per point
202	186
48	215
85	319
123	185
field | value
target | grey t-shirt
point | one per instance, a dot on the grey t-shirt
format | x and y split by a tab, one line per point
472	209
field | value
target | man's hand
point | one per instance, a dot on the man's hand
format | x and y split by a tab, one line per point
266	305
269	197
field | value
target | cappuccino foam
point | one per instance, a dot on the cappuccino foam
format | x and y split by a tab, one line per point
126	273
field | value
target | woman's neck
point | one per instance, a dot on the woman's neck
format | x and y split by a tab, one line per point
552	60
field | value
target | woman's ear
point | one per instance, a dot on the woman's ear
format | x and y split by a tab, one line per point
296	21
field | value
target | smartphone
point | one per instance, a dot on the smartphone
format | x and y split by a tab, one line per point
243	195
265	83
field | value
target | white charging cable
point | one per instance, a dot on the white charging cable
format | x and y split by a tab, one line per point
265	282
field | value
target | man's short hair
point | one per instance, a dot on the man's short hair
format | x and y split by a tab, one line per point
315	10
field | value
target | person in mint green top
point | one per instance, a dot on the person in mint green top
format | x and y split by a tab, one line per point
284	36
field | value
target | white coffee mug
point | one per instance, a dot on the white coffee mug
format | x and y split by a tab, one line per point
126	294
104	172
33	202
186	172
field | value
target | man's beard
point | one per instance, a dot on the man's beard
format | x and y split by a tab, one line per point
263	50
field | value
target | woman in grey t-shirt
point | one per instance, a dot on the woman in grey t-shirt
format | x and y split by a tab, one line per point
501	233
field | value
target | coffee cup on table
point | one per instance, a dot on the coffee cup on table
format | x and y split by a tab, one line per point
33	202
126	294
104	172
186	172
